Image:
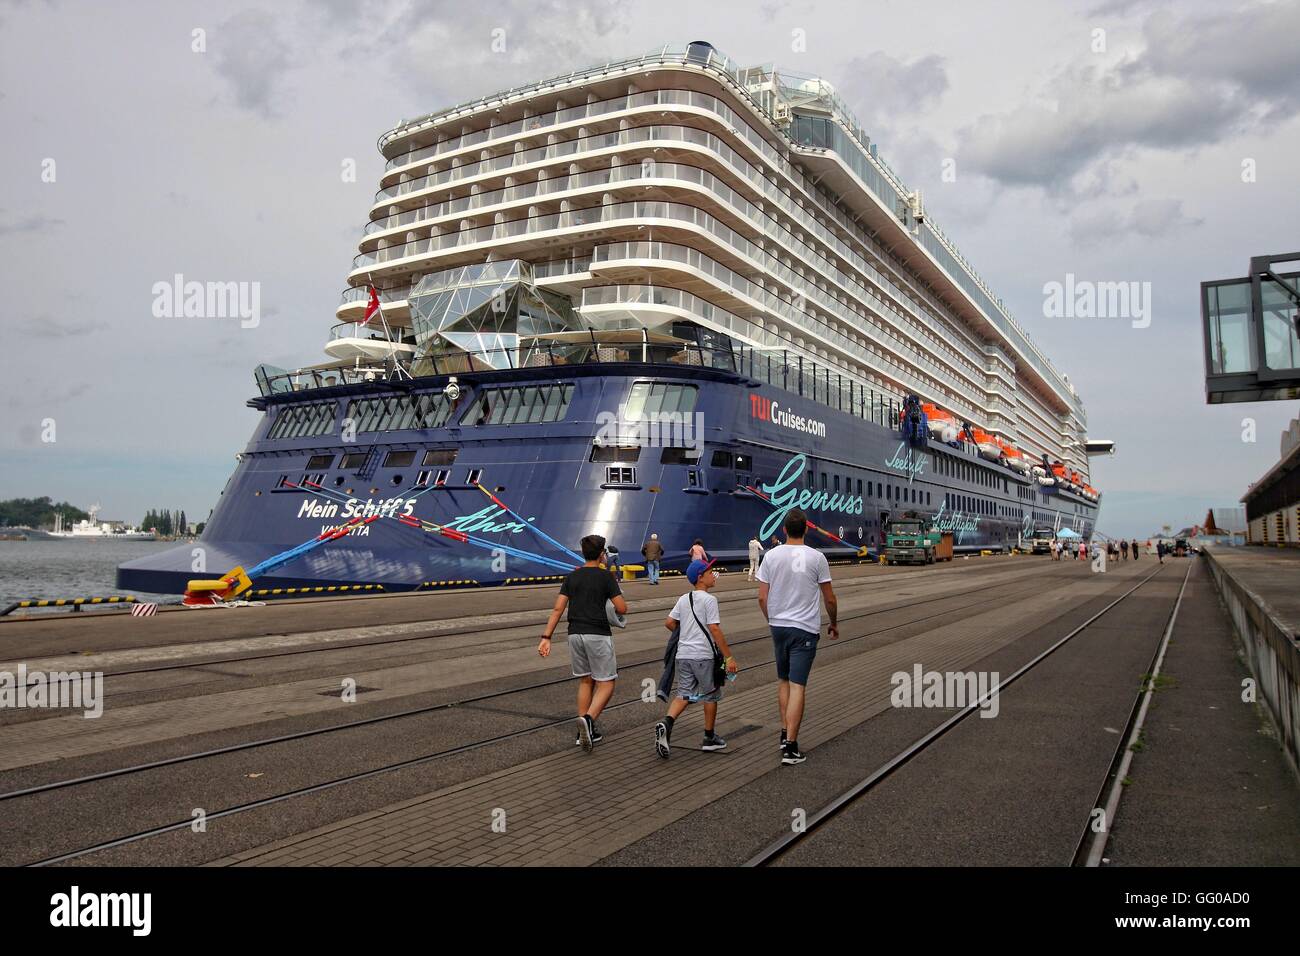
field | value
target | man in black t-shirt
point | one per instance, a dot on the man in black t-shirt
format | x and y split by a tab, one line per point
591	646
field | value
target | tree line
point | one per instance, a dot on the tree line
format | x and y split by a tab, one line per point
165	522
37	513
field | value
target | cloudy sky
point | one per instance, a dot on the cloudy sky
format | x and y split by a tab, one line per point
1102	139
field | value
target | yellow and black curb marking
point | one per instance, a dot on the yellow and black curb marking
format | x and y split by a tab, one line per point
534	580
324	589
74	603
449	584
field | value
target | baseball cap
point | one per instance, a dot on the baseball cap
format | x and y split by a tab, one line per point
696	569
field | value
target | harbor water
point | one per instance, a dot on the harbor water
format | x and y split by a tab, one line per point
68	568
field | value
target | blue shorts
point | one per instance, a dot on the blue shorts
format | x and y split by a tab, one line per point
795	650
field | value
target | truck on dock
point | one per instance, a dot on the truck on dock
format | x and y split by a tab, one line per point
1041	541
913	539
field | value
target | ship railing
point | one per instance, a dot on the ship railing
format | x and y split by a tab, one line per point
777	367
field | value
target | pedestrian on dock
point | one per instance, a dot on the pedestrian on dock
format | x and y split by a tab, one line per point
755	555
1133	547
697	551
700	642
794	579
584	594
1083	551
612	560
653	553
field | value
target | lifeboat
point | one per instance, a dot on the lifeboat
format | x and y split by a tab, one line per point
943	425
1062	476
1014	458
986	443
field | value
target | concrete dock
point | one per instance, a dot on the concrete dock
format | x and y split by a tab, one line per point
227	737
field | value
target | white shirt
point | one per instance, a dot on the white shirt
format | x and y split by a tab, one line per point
692	643
794	574
755	549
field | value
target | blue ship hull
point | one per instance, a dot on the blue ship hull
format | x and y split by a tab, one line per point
847	469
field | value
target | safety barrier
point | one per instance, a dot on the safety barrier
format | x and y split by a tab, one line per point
1271	651
75	603
322	589
450	584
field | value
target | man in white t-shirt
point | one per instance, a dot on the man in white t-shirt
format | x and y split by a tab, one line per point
794	579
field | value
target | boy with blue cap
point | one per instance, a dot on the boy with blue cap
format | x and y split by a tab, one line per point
696	614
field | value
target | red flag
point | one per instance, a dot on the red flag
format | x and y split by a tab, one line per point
372	306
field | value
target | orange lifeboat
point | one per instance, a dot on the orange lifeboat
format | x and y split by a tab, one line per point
1015	459
943	425
986	443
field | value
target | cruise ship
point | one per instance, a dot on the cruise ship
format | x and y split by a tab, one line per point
666	295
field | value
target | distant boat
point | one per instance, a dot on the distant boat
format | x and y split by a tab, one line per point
99	530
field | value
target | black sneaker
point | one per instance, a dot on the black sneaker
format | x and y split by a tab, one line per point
790	754
586	733
713	742
596	737
662	733
782	738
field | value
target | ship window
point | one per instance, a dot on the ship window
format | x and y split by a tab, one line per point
299	421
616	475
927	499
837	484
743	463
283	482
721	459
693	478
399	412
440	456
629	453
442	477
520	405
314	479
823	481
320	461
422	479
353	460
648	399
679	456
859	486
399	459
473	476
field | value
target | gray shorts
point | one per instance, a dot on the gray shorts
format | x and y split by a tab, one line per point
593	656
695	681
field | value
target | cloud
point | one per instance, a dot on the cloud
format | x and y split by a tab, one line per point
1160	217
30	224
1150	218
1196	81
443	47
48	327
249	54
880	88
